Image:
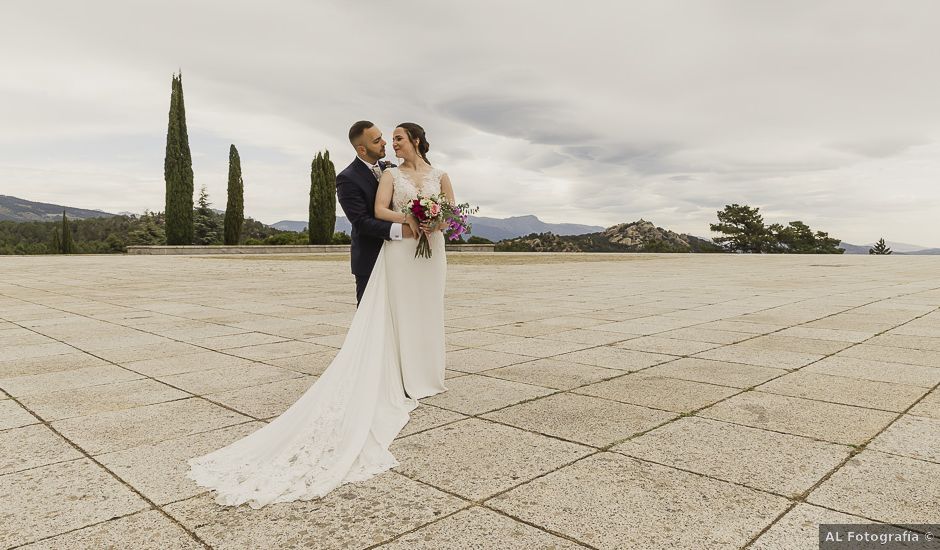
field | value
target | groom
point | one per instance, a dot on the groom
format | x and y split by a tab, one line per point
355	188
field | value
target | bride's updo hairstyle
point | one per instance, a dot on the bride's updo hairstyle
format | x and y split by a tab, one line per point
416	132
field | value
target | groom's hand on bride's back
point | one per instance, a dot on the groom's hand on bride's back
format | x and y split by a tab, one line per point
406	232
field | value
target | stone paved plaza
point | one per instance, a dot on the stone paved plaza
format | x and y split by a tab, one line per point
635	401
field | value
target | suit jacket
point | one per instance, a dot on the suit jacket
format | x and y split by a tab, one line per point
356	188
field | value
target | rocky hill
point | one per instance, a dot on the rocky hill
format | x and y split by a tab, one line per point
638	236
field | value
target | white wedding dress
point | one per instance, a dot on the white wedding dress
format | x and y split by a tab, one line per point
340	430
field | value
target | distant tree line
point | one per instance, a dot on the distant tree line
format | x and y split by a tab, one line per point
742	229
113	234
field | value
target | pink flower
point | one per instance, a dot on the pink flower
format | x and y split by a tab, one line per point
435	209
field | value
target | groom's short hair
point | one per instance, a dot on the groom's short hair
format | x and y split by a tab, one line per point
357	129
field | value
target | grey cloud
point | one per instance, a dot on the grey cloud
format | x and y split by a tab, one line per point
534	120
881	147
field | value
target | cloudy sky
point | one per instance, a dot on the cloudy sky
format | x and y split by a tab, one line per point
595	112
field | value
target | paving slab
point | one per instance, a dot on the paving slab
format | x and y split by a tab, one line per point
475	394
751	354
879	371
158	470
31	351
480	529
536	347
613	501
37	384
799	528
289	348
168	348
659	392
929	406
784	464
116	430
451	458
669	346
232	377
42	365
903	341
796	344
478	338
588	336
12	415
32	446
582	419
712	336
478	360
926	358
264	400
53	499
911	436
850	336
314	363
191	362
826	421
883	487
616	358
352	516
736	375
69	403
230	341
149	530
426	417
848	391
553	373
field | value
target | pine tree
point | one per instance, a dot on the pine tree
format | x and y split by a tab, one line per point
68	245
56	241
880	248
235	208
205	222
744	229
178	171
322	199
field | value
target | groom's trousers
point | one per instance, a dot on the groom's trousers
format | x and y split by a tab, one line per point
361	282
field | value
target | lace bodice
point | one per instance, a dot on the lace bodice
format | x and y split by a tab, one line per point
406	190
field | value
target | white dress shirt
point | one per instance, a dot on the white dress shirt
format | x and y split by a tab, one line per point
395	233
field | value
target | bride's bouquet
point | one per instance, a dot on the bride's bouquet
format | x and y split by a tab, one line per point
436	210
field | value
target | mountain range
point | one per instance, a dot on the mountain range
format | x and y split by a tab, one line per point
495	229
22	210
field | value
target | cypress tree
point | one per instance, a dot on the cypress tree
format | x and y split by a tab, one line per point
178	171
56	241
329	197
68	245
235	208
322	199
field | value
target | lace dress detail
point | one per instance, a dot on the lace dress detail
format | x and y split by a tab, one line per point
406	190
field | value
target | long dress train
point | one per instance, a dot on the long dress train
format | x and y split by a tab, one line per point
340	429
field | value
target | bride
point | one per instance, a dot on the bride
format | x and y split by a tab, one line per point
340	430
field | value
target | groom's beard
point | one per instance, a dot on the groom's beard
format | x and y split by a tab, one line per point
376	156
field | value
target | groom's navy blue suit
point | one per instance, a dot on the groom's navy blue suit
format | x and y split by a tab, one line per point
356	187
